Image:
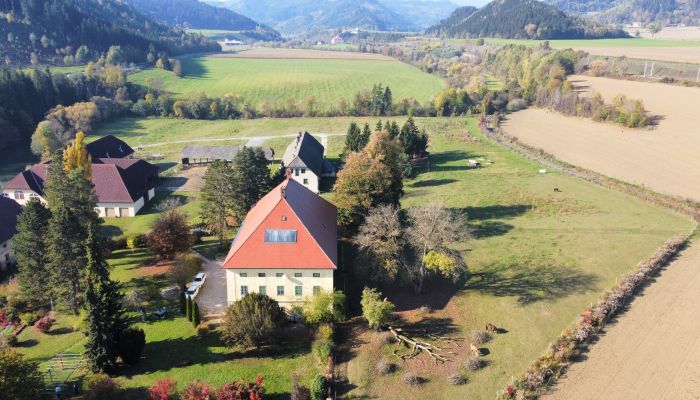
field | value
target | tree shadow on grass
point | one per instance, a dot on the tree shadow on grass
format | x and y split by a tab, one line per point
193	67
481	219
433	182
437	292
532	283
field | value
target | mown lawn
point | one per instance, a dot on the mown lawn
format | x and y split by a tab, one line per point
279	80
537	259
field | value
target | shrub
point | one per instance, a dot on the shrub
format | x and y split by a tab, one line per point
252	321
480	337
299	392
323	344
135	241
384	367
184	268
188	308
457	379
375	311
197	391
183	303
202	330
44	325
195	314
474	363
324	307
163	389
242	390
134	299
101	387
118	242
7	339
170	235
412	379
319	387
131	344
28	318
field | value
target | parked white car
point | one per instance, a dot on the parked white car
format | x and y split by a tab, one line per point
192	291
199	279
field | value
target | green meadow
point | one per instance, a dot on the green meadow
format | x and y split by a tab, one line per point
279	80
622	42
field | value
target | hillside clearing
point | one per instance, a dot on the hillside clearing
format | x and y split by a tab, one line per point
279	80
664	159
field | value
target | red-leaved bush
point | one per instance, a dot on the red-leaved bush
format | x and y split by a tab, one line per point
242	390
197	391
44	324
164	389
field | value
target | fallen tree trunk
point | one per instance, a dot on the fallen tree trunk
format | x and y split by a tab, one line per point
437	353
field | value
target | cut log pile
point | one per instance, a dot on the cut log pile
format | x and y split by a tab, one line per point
440	354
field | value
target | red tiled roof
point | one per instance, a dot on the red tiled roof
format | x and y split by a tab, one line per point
116	180
288	206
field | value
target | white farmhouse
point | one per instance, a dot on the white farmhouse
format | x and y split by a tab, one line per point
286	247
305	158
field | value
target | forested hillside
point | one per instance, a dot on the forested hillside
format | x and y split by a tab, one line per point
520	19
47	31
300	16
629	11
424	13
195	14
454	19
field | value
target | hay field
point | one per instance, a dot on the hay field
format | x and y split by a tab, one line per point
302	54
664	158
677	54
278	80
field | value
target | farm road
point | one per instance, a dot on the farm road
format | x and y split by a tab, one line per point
653	350
251	141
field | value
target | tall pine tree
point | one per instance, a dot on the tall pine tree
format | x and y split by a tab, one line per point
30	250
250	179
217	198
103	304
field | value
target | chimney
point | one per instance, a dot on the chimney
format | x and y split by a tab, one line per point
284	192
288	173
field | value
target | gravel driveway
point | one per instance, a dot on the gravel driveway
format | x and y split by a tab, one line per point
212	296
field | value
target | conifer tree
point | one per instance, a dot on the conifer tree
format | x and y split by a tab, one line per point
393	129
379	126
103	303
195	314
217	198
30	250
352	139
250	179
409	136
188	309
364	137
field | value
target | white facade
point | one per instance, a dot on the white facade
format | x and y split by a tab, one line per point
306	178
7	255
22	196
118	210
287	286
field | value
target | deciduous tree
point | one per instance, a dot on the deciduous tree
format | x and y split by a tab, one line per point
19	379
252	321
375	310
324	307
170	235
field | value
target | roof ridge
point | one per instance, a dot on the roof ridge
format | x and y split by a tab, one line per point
122	180
309	232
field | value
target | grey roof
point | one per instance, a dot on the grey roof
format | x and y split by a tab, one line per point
109	147
9	210
304	152
219	152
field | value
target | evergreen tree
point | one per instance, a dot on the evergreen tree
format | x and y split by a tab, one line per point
72	204
103	302
188	309
30	251
364	137
195	314
217	198
352	139
409	136
379	126
183	303
393	129
388	99
250	179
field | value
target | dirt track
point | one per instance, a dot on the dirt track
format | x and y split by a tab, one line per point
653	351
302	54
678	54
666	159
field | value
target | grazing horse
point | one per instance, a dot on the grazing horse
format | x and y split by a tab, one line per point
474	349
491	328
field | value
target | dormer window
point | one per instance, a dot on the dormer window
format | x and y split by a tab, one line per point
19	195
280	236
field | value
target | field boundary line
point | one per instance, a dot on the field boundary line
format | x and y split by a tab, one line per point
544	372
